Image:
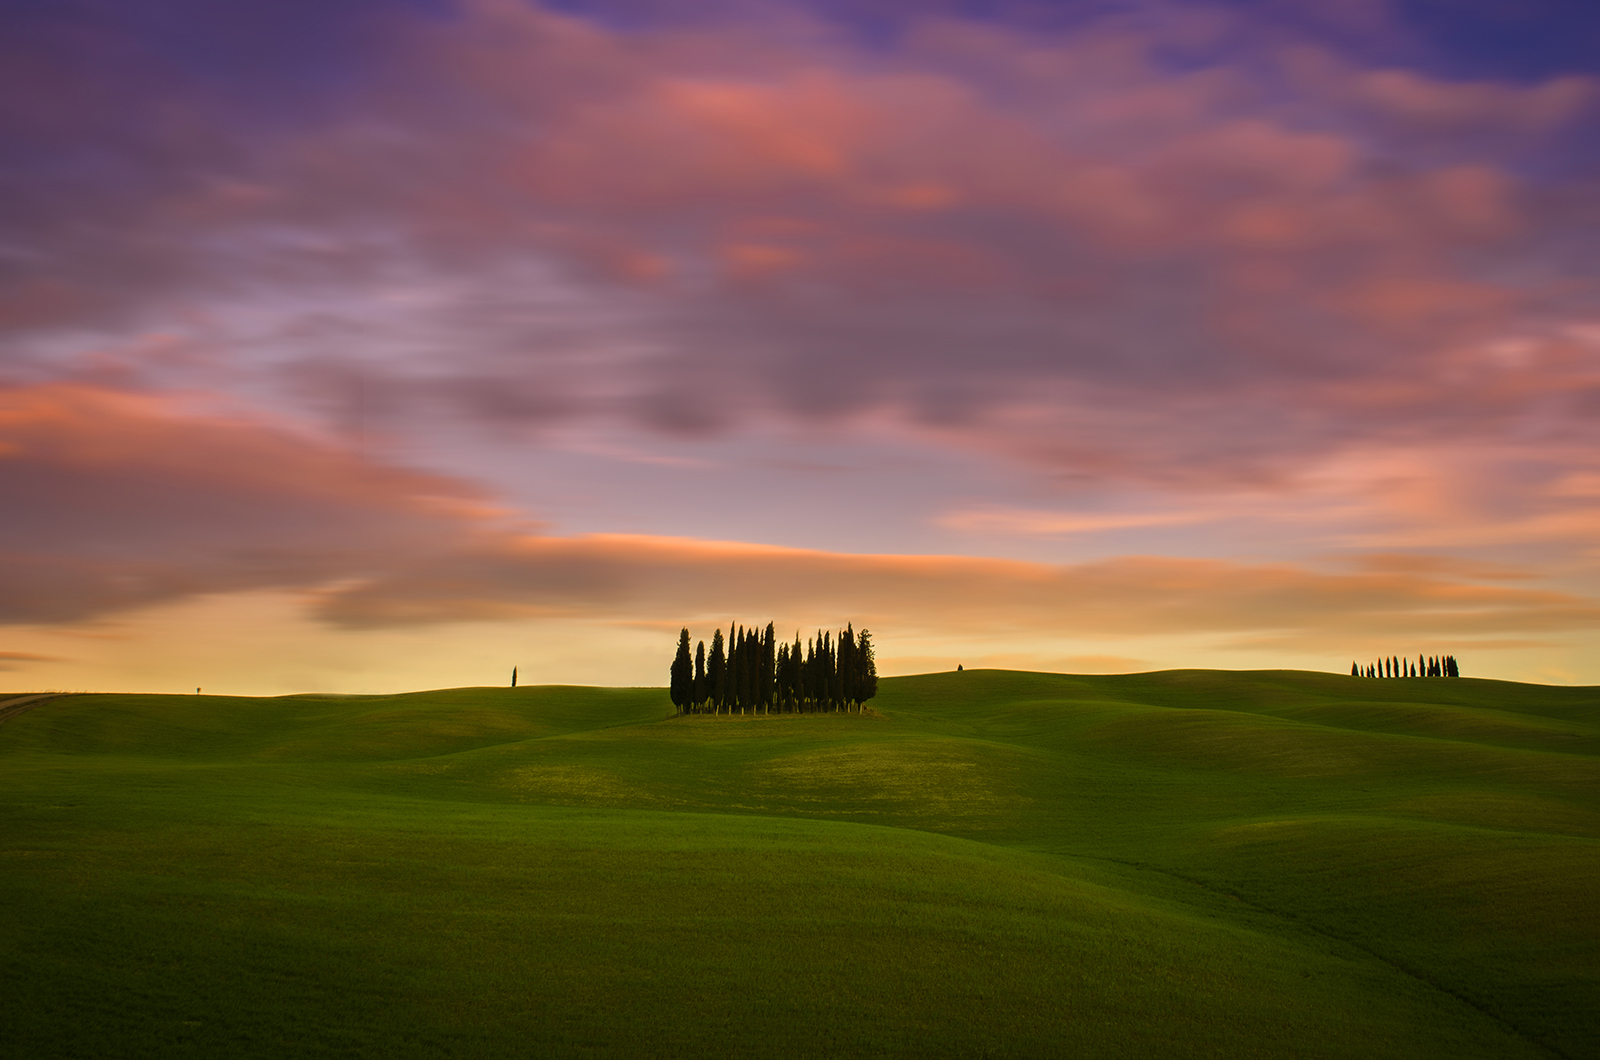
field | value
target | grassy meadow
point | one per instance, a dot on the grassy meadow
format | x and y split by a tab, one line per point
987	863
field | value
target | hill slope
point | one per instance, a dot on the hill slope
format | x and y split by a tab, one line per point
1190	863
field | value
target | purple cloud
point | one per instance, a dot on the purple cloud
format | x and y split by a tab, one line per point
1188	246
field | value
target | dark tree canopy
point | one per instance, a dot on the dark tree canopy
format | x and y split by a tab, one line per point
1396	666
682	673
750	672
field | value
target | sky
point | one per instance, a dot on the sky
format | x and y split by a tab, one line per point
369	346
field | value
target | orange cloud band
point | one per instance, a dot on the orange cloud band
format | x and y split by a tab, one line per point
673	579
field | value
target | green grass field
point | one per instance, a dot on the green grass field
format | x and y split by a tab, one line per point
1180	864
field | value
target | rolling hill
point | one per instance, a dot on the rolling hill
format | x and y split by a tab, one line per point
988	863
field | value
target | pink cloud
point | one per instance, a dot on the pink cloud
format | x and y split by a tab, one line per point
116	499
1407	97
1050	246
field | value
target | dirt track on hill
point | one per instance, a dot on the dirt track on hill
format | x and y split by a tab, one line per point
10	708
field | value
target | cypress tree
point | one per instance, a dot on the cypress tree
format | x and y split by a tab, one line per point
733	666
840	674
769	667
809	675
847	666
699	696
735	669
831	669
754	664
748	673
866	668
781	676
1353	670
717	673
682	673
752	670
825	670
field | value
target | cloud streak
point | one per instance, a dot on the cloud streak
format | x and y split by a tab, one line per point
683	580
117	500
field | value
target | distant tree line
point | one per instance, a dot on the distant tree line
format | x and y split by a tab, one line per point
1395	666
752	673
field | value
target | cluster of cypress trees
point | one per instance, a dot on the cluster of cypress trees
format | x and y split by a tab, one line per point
752	673
1395	666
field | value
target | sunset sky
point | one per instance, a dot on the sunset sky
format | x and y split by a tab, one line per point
368	346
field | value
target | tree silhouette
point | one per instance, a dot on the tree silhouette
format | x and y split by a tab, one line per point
749	672
1399	666
866	668
717	673
698	695
682	673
